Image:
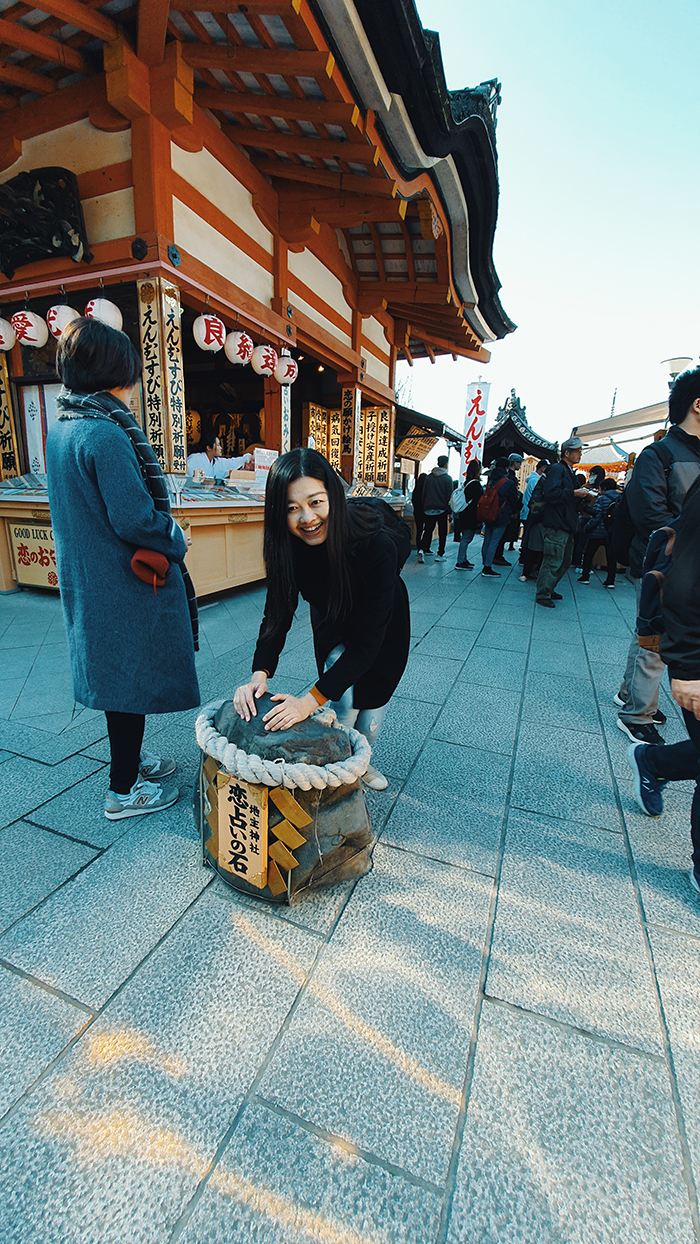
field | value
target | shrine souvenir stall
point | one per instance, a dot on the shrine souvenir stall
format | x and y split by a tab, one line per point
274	202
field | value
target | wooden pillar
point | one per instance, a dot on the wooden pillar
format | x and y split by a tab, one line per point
273	414
350	413
150	155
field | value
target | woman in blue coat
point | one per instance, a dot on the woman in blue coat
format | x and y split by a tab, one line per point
131	643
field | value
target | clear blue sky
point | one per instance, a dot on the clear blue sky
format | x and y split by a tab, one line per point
598	238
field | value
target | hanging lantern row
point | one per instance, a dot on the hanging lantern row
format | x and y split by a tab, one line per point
210	334
30	330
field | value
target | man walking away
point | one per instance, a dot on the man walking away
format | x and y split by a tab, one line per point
662	475
435	500
503	496
679	649
559	521
512	531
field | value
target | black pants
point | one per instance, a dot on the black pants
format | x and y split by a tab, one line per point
125	732
430	521
589	553
677	762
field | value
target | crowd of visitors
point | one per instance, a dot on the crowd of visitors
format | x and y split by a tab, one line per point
567	518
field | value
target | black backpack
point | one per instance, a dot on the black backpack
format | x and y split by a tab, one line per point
658	560
609	515
537	502
394	526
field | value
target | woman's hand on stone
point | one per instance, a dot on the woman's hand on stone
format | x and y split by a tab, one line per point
244	697
289	710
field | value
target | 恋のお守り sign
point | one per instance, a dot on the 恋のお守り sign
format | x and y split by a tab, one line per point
34	554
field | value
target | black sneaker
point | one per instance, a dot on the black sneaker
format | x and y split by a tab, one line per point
640	734
490	574
557	596
546	601
500	561
659	718
694	878
584	581
647	787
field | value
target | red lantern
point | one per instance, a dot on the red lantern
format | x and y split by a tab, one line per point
209	332
238	348
264	360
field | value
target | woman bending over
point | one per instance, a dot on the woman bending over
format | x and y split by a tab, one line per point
341	560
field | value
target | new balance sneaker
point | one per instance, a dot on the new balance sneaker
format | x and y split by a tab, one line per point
153	768
420	558
143	797
374	779
647	787
617	699
640	734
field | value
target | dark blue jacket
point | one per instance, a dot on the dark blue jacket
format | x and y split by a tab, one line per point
560	509
595	528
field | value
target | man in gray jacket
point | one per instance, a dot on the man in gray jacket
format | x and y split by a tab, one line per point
434	501
662	475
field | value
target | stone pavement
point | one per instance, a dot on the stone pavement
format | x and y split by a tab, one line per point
492	1037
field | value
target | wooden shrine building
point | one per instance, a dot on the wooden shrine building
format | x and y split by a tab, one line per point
512	434
286	174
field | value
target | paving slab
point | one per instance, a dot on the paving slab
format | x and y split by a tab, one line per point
492	667
566	1139
512	636
38	744
480	717
677	962
441	641
33	863
27	784
89	936
280	1183
122	1132
567	938
428	678
35	1025
405	729
551	698
375	1052
564	773
662	857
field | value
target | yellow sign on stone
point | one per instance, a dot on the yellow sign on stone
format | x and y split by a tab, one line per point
243	829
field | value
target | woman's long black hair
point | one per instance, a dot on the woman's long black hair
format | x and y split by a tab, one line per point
346	526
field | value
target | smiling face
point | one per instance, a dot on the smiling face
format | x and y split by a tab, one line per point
307	510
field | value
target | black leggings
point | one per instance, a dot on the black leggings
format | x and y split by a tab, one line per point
125	738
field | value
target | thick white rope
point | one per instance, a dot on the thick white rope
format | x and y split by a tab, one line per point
250	768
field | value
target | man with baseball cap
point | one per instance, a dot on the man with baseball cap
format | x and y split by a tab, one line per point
559	521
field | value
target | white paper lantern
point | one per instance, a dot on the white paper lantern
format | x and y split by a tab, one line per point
59	317
209	332
264	360
105	311
286	370
30	329
7	335
238	348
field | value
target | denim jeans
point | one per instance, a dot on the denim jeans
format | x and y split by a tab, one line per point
556	559
488	549
640	685
368	721
678	762
467	537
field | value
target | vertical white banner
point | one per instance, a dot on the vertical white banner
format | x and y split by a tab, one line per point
474	424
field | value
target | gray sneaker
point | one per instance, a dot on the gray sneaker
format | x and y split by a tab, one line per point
153	768
420	558
143	797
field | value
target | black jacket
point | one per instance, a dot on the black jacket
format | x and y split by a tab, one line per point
432	492
680	642
560	510
468	520
655	491
376	633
